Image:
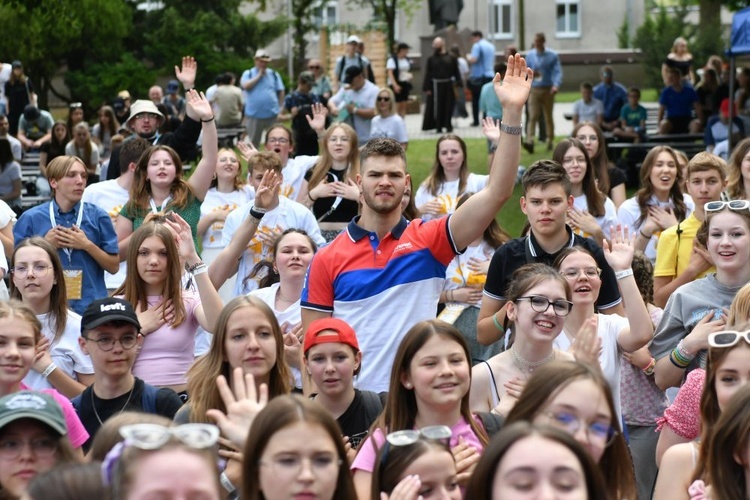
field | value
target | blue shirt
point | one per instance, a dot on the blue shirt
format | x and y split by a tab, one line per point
614	97
489	104
546	66
262	101
484	54
99	230
678	104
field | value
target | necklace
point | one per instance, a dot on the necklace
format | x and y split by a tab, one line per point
529	366
93	404
282	299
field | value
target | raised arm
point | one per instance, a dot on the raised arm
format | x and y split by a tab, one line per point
473	217
198	108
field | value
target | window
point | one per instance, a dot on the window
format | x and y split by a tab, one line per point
501	19
325	15
568	19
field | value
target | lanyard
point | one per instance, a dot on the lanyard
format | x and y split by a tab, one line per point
163	204
79	218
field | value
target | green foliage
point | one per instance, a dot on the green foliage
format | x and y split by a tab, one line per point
655	37
100	81
385	11
623	34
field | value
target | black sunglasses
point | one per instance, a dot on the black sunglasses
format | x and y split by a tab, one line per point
384	99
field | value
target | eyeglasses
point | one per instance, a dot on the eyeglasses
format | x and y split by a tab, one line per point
717	206
153	436
39	270
146	116
313	67
384	99
343	139
411	436
290	466
540	304
277	140
573	272
106	344
11	448
598	432
727	338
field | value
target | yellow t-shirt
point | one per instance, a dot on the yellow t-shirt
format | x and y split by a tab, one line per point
673	251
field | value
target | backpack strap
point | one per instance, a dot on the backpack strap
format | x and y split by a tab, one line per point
492	422
148	398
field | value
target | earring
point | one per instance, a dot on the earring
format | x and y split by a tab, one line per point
407	385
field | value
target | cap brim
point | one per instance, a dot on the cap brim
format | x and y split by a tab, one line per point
37	415
108	319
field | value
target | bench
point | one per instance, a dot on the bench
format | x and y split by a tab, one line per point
652	121
29	174
229	137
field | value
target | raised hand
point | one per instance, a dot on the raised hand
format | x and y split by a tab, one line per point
491	129
587	344
513	90
198	108
183	235
186	74
247	151
267	190
619	252
243	405
318	120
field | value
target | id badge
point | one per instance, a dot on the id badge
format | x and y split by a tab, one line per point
73	283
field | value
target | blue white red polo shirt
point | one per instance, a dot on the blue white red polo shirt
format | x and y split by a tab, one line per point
381	287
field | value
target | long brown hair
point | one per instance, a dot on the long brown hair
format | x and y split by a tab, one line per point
134	288
594	197
735	181
57	316
325	162
599	160
643	195
140	190
201	378
279	413
436	178
400	411
239	182
388	472
547	381
112	126
86	159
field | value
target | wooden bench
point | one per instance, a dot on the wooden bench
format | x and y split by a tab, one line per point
652	122
228	137
29	174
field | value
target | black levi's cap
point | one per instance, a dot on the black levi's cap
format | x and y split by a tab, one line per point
108	309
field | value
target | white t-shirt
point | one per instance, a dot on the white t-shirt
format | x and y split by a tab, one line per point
72	150
287	214
110	197
609	326
629	213
458	275
605	221
15	147
448	194
66	353
294	174
216	200
392	127
5	71
588	111
364	98
404	69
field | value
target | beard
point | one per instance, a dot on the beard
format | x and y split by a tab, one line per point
382	207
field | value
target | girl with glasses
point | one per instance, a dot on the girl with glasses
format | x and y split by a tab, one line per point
429	386
538	302
330	187
528	461
686	426
33	440
38	280
697	308
577	399
609	179
617	334
449	179
593	213
387	122
659	203
294	450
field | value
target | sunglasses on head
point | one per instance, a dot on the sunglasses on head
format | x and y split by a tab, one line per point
75	105
717	206
441	433
154	436
727	338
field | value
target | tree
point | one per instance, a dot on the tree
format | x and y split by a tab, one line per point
386	10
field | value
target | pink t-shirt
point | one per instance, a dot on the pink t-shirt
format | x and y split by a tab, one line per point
76	431
167	353
684	415
365	459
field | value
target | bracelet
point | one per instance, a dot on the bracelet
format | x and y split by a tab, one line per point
311	198
510	130
497	323
684	352
191	269
257	214
226	483
640	231
624	273
648	370
201	269
673	358
207	121
47	371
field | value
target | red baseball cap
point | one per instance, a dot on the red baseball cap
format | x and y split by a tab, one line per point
336	331
724	107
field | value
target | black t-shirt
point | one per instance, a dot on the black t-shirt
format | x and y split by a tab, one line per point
345	211
520	251
616	177
167	404
355	422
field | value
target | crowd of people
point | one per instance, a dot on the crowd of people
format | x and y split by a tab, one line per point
324	328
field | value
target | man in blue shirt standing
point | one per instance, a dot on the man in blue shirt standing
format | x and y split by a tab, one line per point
264	96
82	233
613	95
547	80
482	60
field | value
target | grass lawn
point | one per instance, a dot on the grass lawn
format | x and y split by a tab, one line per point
647	95
421	156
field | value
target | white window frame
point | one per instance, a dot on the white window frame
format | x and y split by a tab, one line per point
324	20
568	33
495	6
